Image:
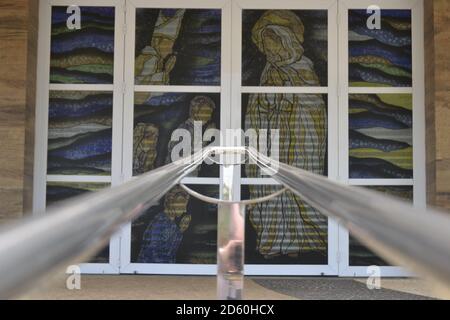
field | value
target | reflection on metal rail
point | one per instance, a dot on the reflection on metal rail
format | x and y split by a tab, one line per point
80	227
404	235
415	238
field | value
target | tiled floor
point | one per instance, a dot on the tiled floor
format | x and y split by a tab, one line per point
341	289
261	288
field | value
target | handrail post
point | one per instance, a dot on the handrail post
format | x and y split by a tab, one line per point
230	240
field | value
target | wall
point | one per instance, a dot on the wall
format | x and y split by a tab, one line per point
437	46
18	50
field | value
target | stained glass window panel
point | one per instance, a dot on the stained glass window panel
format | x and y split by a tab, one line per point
85	55
380	57
180	229
60	191
156	118
285	230
302	124
80	133
361	256
284	48
178	47
380	136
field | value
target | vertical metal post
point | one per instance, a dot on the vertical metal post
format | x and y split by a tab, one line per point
230	240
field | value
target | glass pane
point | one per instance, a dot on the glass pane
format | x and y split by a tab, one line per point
84	55
180	229
285	230
380	136
60	191
303	128
284	48
380	57
156	118
80	133
361	256
178	47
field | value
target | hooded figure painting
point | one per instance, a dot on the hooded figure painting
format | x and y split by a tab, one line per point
287	226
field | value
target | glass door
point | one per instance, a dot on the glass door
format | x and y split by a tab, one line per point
178	86
123	85
179	71
284	78
79	107
383	120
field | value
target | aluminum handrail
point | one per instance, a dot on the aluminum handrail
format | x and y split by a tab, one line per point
416	238
77	229
401	233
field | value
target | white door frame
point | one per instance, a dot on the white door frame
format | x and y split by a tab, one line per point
231	20
42	105
230	89
331	90
126	266
419	164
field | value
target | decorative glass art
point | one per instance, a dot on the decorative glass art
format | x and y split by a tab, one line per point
302	122
285	230
284	48
380	57
85	55
158	115
380	136
80	133
178	47
180	229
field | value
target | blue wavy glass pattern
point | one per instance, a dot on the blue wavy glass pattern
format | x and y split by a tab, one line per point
380	57
80	133
84	56
380	136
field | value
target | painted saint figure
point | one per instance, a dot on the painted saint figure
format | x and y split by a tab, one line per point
201	110
287	226
156	61
145	141
163	235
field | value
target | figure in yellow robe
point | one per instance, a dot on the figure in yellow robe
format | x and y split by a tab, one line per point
287	225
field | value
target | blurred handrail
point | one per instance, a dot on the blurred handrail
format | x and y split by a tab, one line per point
77	229
416	238
405	235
